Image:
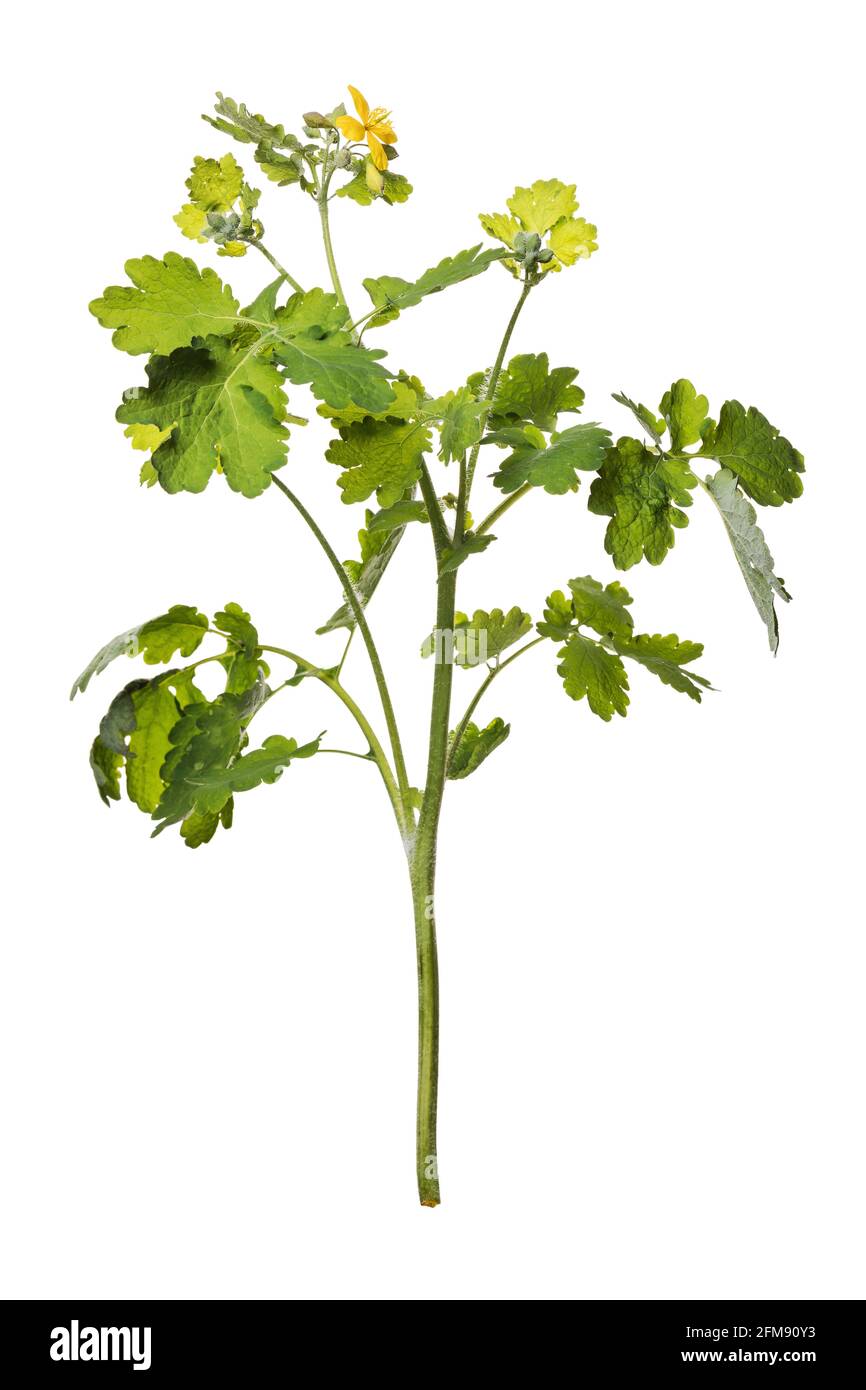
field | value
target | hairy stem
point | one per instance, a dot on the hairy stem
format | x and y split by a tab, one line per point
498	511
280	269
324	215
423	870
379	755
407	819
491	386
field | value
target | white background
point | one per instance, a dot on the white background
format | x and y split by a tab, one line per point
651	951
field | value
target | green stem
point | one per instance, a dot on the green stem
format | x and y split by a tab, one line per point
379	755
407	821
488	680
280	269
441	538
423	874
497	512
491	384
324	215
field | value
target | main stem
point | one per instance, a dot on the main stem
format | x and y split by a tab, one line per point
423	873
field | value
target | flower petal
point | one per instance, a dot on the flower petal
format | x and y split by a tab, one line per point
362	106
383	130
380	159
352	129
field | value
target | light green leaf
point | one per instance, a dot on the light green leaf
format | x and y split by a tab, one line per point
225	404
214	184
315	311
558	623
404	406
169	303
461	419
281	169
665	657
192	222
638	489
541	206
685	412
156	713
527	390
181	630
767	465
390	293
500	226
475	745
381	456
264	764
751	549
554	467
587	669
572	240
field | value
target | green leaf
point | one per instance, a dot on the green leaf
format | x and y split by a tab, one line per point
381	456
685	413
767	465
485	636
234	119
264	307
119	721
391	294
156	713
638	489
554	467
169	303
181	630
337	371
225	405
587	669
399	515
461	419
751	549
654	427
396	188
559	619
602	608
235	624
665	657
206	737
105	765
475	745
528	391
377	550
452	557
541	206
281	169
265	764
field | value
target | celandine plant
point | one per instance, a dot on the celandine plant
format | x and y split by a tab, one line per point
215	403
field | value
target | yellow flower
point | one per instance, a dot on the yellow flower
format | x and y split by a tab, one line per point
372	125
